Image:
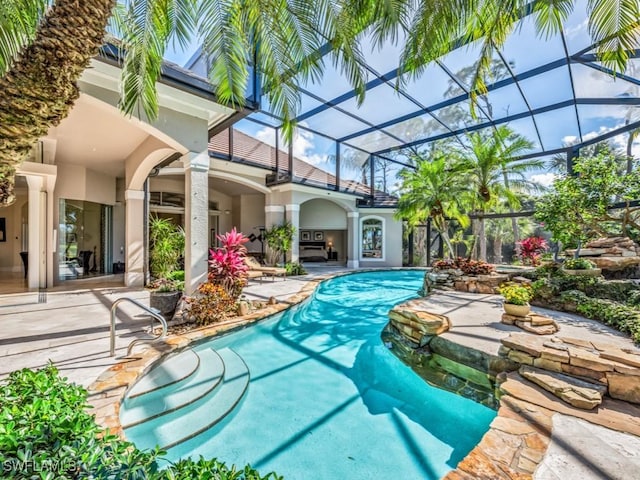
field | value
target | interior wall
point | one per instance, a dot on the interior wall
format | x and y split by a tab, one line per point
119	223
338	238
251	216
79	183
10	249
322	215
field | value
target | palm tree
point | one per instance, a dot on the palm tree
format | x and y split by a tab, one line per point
495	173
44	50
39	68
435	189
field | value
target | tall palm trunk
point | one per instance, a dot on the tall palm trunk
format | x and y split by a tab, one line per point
482	234
514	220
632	136
40	88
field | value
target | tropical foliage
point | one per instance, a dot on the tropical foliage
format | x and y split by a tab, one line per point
578	264
530	249
496	174
467	266
226	263
47	431
211	303
577	208
279	239
436	189
166	241
467	181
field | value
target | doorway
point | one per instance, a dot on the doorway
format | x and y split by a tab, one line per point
85	239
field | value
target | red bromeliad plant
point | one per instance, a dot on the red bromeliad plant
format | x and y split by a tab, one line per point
530	249
226	264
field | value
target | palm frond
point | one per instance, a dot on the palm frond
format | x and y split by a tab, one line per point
550	15
615	26
19	20
147	27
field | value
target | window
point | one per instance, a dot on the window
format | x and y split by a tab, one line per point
372	229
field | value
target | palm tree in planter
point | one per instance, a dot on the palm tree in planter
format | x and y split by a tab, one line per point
166	251
435	189
495	174
279	239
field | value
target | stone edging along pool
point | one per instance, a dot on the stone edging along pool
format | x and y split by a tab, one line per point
511	449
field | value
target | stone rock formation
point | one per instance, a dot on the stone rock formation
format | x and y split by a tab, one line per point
618	370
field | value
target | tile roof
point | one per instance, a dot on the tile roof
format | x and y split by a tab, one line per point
260	154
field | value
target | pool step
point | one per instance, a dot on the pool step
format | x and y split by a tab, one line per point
187	421
161	401
174	369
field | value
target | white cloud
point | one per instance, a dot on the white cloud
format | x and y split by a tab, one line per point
544	179
266	135
303	145
569	140
579	29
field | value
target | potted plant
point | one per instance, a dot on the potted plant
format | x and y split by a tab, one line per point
166	251
581	266
516	299
279	239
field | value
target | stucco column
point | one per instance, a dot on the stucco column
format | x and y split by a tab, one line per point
273	215
196	224
51	238
293	216
134	238
37	233
353	240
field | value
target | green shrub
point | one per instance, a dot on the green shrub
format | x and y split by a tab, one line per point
212	303
633	298
579	264
46	432
295	268
620	291
617	315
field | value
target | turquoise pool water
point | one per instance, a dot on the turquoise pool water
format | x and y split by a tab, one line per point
327	400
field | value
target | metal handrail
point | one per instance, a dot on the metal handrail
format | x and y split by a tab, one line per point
154	313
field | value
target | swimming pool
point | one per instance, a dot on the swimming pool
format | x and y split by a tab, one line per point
327	400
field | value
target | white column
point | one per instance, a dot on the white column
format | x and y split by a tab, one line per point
134	238
293	216
273	215
37	228
196	211
353	240
51	238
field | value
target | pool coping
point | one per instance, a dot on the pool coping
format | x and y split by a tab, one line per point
512	448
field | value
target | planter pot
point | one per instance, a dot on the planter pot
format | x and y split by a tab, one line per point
517	310
165	302
587	272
